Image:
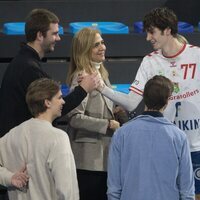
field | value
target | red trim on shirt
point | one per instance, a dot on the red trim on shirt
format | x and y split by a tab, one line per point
183	48
136	90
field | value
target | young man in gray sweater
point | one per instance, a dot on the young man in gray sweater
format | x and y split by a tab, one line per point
44	150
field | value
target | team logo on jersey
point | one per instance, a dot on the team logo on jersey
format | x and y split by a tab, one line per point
185	95
176	87
136	82
173	64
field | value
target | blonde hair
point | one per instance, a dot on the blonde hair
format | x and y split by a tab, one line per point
182	39
81	51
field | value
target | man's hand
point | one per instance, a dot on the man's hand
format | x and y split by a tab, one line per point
20	178
90	82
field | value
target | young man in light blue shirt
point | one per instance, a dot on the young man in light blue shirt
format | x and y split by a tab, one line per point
149	157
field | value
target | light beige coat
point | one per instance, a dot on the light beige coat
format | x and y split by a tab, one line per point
88	130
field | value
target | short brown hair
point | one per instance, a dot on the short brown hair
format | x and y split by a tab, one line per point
39	20
157	91
161	18
38	91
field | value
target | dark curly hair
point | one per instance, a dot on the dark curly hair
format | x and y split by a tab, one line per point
161	18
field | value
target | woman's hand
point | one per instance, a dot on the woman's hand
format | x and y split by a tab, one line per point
113	124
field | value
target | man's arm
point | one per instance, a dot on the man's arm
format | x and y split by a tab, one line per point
186	178
128	101
72	100
5	176
18	179
114	176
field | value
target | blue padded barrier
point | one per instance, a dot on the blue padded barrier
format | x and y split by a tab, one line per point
183	27
138	27
104	27
64	90
199	26
121	87
118	87
18	28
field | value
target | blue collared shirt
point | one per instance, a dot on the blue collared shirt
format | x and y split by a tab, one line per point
149	159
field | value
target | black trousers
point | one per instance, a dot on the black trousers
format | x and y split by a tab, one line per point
92	184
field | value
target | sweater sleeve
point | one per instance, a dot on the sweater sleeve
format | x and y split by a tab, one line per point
62	166
5	176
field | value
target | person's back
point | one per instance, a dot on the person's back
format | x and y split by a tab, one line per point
149	156
150	159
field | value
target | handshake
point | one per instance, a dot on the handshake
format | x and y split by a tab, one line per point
90	82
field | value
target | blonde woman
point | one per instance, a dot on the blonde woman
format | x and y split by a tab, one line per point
92	123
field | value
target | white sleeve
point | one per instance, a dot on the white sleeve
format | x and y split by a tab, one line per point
142	76
5	176
130	101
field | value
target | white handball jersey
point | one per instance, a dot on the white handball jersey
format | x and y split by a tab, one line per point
183	69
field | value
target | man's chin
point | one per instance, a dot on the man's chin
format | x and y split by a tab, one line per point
49	50
153	46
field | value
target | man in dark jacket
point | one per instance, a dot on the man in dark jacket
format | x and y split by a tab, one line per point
41	31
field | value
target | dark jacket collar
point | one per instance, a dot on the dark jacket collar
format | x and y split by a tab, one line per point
153	113
29	51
